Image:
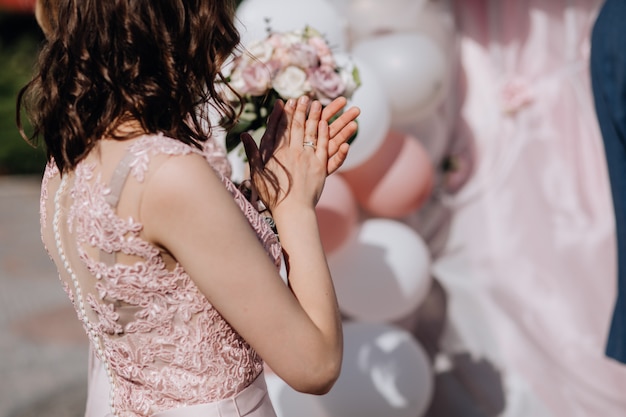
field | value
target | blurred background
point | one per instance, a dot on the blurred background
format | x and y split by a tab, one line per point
470	234
19	42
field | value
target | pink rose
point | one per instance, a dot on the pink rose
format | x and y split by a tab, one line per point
303	56
282	56
323	51
256	79
327	83
276	40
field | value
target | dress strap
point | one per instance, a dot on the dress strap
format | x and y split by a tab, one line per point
120	175
116	185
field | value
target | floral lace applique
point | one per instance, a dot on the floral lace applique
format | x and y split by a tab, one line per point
70	294
106	315
264	232
95	221
148	146
50	172
217	157
164	343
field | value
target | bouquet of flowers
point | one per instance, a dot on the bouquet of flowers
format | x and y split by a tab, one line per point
284	65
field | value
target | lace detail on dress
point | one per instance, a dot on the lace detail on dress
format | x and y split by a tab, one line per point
264	232
99	226
70	294
50	172
217	157
148	146
165	345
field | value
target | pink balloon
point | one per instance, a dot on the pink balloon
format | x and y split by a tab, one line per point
337	213
396	180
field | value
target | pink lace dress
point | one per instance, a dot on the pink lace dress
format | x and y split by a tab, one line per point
158	347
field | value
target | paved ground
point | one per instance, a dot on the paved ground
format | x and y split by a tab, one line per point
43	351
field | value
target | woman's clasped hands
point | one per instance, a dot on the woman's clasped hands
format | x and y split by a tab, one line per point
298	150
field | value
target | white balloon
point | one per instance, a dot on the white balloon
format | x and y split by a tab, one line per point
342	7
288	402
375	118
413	70
254	17
436	21
372	17
385	372
383	273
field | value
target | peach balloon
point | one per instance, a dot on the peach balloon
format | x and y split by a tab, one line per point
337	213
396	180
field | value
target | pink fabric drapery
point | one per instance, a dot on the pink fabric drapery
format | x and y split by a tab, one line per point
530	264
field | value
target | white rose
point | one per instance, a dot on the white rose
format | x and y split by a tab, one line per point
349	74
291	83
260	50
292	38
227	93
228	67
237	83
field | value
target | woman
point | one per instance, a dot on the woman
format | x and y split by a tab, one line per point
173	273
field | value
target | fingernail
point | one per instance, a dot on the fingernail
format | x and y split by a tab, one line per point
303	99
291	102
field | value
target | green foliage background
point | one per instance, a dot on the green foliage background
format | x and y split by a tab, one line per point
20	39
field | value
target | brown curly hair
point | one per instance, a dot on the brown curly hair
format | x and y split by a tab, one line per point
106	62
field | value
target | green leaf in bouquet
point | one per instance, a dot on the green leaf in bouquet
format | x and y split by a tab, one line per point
249	113
253	118
356	75
232	140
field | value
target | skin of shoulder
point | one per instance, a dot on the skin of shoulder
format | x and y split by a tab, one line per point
187	211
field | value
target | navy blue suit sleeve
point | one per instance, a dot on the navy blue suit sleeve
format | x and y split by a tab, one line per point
608	76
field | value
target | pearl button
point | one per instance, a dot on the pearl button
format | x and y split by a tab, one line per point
79	302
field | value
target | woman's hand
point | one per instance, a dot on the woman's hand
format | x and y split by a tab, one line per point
291	162
291	129
341	130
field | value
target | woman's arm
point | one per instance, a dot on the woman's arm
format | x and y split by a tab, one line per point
187	210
